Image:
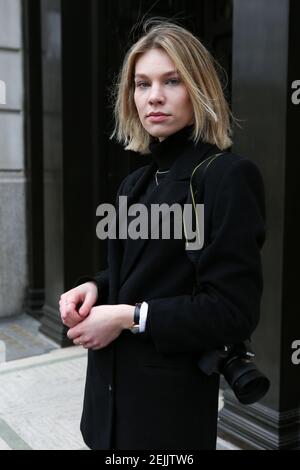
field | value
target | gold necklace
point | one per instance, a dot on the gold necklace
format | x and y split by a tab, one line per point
159	173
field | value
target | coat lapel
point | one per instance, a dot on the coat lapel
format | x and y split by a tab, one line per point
174	189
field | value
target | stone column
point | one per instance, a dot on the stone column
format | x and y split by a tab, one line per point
69	203
34	157
53	168
266	44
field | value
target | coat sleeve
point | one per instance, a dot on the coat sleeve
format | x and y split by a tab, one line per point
102	280
226	307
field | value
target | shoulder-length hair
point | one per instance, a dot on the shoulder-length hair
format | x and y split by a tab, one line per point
195	66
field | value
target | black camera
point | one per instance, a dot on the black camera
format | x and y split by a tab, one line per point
235	363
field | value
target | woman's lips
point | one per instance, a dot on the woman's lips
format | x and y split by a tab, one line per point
158	117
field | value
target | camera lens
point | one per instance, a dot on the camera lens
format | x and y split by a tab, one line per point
247	382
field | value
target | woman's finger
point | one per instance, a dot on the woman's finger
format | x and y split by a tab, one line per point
78	341
87	305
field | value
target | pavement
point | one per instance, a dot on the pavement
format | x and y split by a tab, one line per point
20	337
41	395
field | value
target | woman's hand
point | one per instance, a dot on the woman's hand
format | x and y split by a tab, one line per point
70	310
103	325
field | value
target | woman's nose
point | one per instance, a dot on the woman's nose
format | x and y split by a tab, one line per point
156	95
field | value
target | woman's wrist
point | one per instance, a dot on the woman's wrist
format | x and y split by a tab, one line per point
126	313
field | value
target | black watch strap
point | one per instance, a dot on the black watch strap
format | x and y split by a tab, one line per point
136	315
135	328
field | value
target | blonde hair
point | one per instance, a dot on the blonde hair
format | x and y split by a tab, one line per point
195	66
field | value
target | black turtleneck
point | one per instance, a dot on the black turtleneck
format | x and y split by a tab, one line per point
164	153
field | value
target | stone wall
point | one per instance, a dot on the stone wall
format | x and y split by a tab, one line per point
13	263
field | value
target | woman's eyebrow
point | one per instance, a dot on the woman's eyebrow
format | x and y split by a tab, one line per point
166	74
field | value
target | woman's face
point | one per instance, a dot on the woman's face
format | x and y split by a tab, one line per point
161	98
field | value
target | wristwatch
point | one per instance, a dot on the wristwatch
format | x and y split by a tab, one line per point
135	327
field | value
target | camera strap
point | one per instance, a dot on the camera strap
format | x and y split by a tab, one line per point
196	195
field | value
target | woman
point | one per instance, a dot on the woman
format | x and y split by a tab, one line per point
144	390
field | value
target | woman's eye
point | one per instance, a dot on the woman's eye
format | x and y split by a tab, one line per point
142	84
172	81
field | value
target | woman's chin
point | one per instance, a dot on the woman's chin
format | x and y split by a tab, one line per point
161	132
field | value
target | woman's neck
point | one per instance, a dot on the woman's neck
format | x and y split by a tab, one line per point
165	152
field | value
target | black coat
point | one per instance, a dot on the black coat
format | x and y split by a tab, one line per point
144	391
